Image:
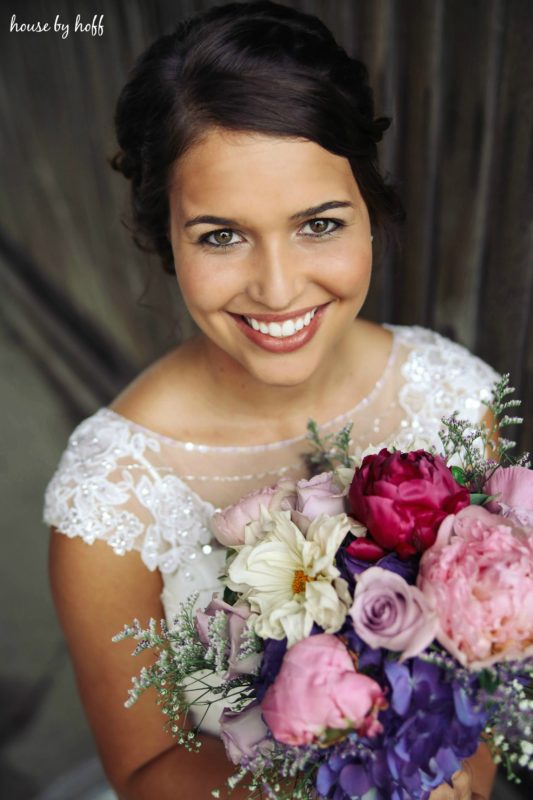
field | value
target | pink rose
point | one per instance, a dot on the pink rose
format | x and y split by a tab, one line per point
237	617
317	688
513	487
228	524
479	576
388	612
401	498
244	733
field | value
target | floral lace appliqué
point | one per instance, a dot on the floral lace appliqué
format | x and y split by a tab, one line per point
107	487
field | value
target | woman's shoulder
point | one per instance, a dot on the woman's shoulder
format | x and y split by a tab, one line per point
440	374
114	482
161	397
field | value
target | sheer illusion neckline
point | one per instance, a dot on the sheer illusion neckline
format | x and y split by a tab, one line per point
255	448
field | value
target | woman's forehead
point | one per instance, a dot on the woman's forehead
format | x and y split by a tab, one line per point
244	170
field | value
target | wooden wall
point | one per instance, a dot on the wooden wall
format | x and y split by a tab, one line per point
455	77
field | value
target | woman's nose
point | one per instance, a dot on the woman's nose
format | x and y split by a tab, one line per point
276	277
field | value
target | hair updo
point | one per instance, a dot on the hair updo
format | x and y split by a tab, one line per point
259	67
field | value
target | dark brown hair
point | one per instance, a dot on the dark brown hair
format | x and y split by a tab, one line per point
259	67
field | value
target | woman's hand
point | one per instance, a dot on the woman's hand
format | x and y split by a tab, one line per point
462	788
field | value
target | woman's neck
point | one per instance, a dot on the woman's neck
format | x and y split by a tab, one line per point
239	401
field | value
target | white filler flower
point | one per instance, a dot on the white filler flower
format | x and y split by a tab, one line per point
290	580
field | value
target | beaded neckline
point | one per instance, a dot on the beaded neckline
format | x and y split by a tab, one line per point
205	448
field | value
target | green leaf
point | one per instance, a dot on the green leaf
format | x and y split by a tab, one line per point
488	680
459	475
477	498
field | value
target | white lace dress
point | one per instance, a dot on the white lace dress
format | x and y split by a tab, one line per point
139	490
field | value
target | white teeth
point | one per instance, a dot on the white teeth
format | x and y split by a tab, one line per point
287	328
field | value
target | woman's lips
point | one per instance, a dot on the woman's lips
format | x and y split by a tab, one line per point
285	344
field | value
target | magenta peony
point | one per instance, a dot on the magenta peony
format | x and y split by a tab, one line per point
318	689
513	487
479	575
402	498
388	612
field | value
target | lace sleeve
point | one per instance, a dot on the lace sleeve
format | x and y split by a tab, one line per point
111	484
440	377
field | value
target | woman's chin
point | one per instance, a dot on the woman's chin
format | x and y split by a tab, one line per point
283	371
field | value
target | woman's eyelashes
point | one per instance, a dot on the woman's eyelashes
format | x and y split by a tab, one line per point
320	227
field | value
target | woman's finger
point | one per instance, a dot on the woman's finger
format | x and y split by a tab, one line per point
461	790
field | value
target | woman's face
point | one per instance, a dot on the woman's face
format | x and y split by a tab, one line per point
272	248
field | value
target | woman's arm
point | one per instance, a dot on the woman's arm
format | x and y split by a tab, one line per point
96	592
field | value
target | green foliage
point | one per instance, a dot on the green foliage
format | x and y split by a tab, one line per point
330	451
183	667
482	449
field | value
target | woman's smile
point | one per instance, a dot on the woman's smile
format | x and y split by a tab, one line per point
281	333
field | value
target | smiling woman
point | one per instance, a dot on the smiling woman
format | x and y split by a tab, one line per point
249	138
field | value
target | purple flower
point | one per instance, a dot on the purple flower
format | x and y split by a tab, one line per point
350	566
244	733
431	725
270	666
389	613
236	617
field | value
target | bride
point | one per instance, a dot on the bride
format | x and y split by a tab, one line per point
249	139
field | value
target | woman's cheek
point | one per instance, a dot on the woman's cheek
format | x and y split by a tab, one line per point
207	286
348	272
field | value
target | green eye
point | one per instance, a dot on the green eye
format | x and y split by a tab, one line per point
222	237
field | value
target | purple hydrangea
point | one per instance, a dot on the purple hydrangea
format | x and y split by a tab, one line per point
430	727
350	567
270	666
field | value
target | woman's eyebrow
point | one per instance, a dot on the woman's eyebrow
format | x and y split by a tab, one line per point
309	212
209	219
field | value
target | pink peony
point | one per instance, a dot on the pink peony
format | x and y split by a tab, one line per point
401	498
237	617
479	575
229	524
244	733
513	487
388	612
318	689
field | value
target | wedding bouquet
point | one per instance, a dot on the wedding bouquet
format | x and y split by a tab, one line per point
376	625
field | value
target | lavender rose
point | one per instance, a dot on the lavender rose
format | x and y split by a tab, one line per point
244	733
320	495
236	617
388	612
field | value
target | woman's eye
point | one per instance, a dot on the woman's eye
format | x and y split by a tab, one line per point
219	239
322	227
